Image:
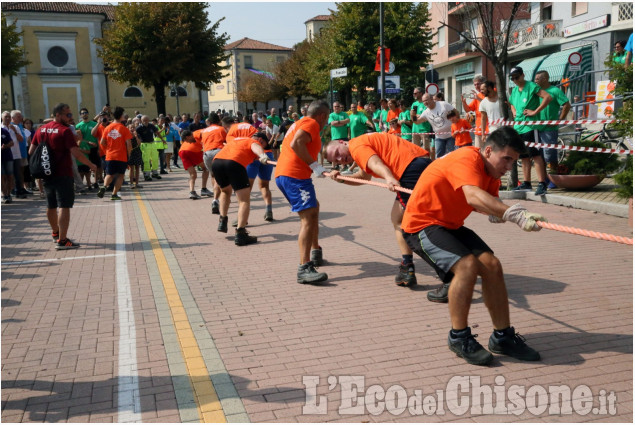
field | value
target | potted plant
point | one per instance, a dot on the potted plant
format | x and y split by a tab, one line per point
583	170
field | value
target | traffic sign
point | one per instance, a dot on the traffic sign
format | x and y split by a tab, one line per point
574	68
432	89
575	58
339	72
391	67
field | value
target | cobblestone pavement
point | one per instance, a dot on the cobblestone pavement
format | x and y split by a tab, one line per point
159	318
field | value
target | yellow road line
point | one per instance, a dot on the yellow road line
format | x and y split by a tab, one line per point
207	402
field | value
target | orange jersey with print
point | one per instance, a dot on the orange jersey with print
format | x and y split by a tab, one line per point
196	146
461	139
438	196
116	135
243	129
239	150
394	151
212	137
289	163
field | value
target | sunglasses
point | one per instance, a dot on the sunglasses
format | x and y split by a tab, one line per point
83	113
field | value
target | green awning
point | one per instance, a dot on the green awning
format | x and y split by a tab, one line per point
530	65
557	64
464	77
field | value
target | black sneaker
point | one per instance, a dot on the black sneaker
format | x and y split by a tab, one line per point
147	178
206	192
525	186
215	207
95	186
156	176
439	295
316	257
115	198
542	189
163	172
242	237
101	191
406	275
222	224
66	244
268	216
466	346
513	345
308	274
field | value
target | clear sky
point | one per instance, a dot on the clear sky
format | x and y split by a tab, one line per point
280	23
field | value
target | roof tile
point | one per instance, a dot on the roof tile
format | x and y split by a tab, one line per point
60	7
249	44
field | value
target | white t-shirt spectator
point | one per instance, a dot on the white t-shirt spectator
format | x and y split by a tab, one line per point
493	111
438	119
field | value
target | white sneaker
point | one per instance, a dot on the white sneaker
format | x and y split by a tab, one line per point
194	195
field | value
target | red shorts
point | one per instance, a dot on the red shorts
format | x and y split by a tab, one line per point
191	159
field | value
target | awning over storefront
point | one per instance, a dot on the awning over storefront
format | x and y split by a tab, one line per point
530	66
557	64
464	77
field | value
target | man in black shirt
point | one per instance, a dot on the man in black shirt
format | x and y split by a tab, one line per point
145	135
197	124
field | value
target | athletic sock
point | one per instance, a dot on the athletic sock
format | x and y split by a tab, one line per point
501	333
456	333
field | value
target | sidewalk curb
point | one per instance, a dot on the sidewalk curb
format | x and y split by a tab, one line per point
583	204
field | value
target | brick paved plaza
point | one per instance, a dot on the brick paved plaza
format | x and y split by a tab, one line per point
160	318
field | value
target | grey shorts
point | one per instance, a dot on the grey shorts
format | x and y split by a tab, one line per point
208	157
442	247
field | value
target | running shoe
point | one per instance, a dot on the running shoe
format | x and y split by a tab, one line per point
66	244
194	195
215	207
439	295
242	237
513	345
525	186
222	224
465	345
206	192
308	274
542	189
156	176
406	275
101	191
115	198
147	178
269	216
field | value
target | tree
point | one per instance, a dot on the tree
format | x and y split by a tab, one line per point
354	39
255	88
496	21
322	58
292	75
155	44
13	56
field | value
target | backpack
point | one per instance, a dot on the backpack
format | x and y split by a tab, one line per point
41	162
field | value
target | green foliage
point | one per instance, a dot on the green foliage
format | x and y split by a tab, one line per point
587	163
155	44
292	74
623	78
13	56
625	181
352	38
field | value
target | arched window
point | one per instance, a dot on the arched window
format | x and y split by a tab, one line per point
181	90
132	92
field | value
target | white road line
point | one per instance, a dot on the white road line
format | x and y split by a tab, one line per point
51	260
128	381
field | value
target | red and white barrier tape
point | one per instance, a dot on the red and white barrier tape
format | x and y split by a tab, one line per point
579	148
553	122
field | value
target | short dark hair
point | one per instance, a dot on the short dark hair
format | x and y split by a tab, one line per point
505	136
82	110
185	134
453	113
490	84
118	112
57	109
227	120
214	118
261	135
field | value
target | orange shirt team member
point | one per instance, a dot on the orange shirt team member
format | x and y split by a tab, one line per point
447	192
241	129
230	170
460	130
213	139
191	153
298	159
392	117
116	144
397	161
474	106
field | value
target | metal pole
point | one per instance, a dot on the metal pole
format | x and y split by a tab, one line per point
331	91
381	50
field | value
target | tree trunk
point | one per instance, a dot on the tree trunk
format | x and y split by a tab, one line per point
501	84
159	97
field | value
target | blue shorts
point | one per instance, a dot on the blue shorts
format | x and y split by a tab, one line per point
299	193
258	169
549	137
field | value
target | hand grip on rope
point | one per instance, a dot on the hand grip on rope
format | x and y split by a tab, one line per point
544	225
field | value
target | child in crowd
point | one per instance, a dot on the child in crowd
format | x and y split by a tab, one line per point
460	129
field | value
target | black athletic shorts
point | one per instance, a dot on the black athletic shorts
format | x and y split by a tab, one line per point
410	177
116	167
442	247
228	172
93	156
531	137
60	192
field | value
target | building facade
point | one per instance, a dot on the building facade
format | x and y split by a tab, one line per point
314	26
59	42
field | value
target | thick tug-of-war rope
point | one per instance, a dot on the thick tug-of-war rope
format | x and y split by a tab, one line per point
544	225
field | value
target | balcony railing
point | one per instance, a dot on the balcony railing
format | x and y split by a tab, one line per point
459	47
537	31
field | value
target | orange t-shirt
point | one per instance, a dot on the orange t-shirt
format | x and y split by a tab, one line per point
239	150
474	106
243	129
116	135
289	163
100	132
438	196
212	137
394	151
390	116
461	139
196	146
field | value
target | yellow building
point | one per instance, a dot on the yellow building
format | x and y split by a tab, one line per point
58	39
247	56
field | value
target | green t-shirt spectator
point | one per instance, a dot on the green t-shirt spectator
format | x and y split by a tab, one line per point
526	99
84	146
384	118
86	128
377	116
424	127
358	124
406	131
552	111
338	133
275	119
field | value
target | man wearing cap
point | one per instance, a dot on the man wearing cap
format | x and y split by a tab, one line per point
526	105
